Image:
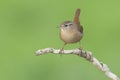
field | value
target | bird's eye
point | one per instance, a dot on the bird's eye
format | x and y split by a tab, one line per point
66	25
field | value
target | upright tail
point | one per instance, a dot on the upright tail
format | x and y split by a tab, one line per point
76	17
77	21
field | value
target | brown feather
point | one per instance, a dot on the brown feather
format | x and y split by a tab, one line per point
77	21
76	17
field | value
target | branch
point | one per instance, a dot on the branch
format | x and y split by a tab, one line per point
85	54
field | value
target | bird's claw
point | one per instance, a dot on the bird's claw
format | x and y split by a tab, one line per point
61	51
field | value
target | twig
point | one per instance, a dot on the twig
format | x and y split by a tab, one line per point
85	54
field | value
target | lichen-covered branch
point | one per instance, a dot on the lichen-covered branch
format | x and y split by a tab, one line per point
85	54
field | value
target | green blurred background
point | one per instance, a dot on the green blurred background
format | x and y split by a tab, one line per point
29	25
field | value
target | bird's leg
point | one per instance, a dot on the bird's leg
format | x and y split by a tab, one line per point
62	49
81	49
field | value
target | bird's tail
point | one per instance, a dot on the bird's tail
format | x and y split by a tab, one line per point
76	17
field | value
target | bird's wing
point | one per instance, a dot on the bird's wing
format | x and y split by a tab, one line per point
80	28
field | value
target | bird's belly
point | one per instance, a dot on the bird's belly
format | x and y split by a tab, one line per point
71	37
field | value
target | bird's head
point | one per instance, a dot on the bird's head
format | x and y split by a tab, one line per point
68	25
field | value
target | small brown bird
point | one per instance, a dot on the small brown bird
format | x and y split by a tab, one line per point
71	31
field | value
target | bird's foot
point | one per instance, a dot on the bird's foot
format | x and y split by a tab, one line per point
81	49
61	52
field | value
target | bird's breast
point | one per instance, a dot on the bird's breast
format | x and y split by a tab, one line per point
70	36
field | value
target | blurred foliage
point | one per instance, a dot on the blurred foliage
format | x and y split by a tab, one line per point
28	25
